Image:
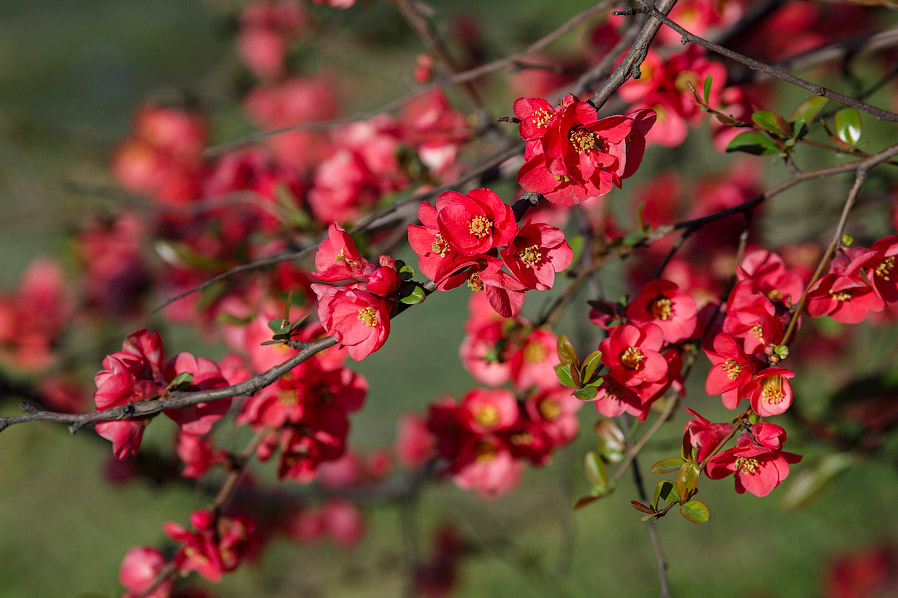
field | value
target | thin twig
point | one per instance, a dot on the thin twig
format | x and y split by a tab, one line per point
761	67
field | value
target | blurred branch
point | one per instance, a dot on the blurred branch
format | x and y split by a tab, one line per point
462	77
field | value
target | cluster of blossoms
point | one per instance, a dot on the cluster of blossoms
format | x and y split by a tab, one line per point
139	373
357	314
486	438
643	351
469	238
571	154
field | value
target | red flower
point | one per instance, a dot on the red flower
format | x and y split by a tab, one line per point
338	259
757	461
731	369
704	436
358	320
486	410
473	224
663	304
633	354
769	391
139	569
197	419
536	253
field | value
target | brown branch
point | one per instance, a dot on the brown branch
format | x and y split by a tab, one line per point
772	71
629	66
861	168
177	400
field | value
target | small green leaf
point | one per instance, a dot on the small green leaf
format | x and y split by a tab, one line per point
587	393
782	351
181	380
564	375
566	353
809	109
666	490
752	142
406	272
612	444
774	123
595	383
595	470
687	479
411	294
847	240
590	363
695	511
641	507
667	466
707	89
848	126
273	343
633	238
278	325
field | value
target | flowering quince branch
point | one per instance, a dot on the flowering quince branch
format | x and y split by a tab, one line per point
767	69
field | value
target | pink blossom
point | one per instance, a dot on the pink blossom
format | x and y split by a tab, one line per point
140	567
358	320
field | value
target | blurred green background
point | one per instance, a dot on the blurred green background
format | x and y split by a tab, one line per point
71	76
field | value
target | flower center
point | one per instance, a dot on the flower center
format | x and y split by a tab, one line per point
582	140
524	438
474	283
439	245
747	465
535	352
486	415
840	296
485	451
550	409
368	316
775	295
773	389
288	398
530	255
480	226
541	118
661	308
757	332
884	269
340	256
684	79
732	368
631	358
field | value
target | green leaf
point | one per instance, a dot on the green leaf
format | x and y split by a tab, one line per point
412	295
771	122
406	272
633	238
273	343
595	470
182	379
665	490
641	507
590	364
847	240
278	325
809	109
564	375
752	142
707	89
595	383
575	375
566	353
695	511
587	393
612	444
687	479
848	126
782	351
667	465
813	480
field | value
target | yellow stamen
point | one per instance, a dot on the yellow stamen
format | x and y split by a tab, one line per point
486	415
480	226
732	368
474	283
884	269
747	465
439	245
631	358
773	389
582	140
368	316
661	308
535	352
530	256
549	409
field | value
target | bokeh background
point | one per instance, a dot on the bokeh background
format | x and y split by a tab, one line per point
71	77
